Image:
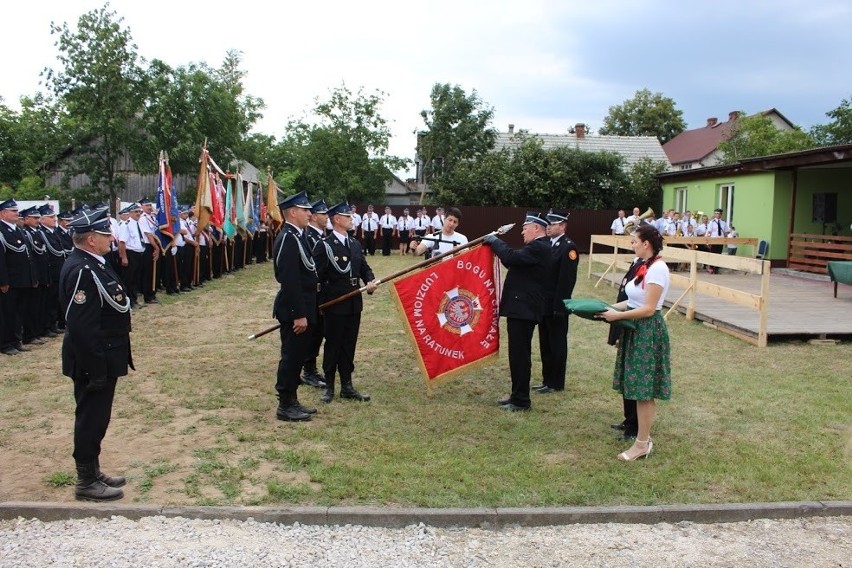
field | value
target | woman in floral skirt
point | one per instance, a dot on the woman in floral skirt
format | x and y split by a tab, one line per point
643	363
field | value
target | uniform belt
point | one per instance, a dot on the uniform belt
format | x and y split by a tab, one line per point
319	287
353	282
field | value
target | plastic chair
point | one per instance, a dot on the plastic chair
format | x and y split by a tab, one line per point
762	249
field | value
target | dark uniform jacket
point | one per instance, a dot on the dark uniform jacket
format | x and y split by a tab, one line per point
524	287
16	267
563	273
314	236
341	269
295	271
39	257
97	319
55	253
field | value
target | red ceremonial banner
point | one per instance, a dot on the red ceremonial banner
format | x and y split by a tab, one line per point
452	312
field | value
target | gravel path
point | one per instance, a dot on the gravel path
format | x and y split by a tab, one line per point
159	541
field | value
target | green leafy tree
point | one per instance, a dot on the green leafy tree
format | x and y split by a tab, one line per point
646	114
839	130
342	153
457	130
190	104
643	186
98	87
753	136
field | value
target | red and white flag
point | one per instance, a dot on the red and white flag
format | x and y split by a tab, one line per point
452	312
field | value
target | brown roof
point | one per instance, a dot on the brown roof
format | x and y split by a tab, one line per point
696	144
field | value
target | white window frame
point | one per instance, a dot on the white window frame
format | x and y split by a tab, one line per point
681	199
726	201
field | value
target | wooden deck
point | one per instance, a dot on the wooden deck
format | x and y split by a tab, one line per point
797	306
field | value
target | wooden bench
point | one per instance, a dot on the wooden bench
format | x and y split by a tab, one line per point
840	271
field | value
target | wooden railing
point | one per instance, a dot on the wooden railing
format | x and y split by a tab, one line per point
618	260
810	252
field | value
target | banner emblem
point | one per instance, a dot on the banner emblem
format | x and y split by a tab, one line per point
459	311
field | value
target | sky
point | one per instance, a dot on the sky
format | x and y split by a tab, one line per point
543	65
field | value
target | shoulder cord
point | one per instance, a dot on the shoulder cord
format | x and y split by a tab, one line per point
120	308
307	261
330	253
7	245
53	251
36	248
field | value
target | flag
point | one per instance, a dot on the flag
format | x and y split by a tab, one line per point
272	202
203	197
218	218
168	220
239	204
216	203
228	226
451	310
261	206
251	218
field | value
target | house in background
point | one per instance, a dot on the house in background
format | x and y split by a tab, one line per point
632	148
699	147
771	197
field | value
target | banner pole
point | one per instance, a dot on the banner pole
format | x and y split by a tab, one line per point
422	264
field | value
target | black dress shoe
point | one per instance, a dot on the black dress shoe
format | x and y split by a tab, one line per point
538	387
9	351
20	347
35	341
511	407
291	413
327	396
354	395
504	402
548	390
619	426
313	380
152	301
50	333
305	409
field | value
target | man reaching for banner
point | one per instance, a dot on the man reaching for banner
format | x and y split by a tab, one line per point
341	267
523	301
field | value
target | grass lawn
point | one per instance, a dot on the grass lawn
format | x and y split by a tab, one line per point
195	424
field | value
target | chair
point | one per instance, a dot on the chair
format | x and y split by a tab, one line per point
762	249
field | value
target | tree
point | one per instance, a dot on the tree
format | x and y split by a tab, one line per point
839	131
457	130
753	136
646	114
193	103
343	152
98	87
643	185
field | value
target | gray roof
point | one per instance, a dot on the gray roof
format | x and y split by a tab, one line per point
633	148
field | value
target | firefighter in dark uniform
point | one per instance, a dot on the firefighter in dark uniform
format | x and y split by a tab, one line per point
523	302
295	305
64	232
341	267
553	331
96	347
17	279
315	233
35	329
55	259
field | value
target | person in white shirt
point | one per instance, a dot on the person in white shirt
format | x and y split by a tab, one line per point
147	273
635	217
405	230
445	240
617	227
688	219
369	228
130	249
716	229
356	222
388	224
422	225
732	247
438	220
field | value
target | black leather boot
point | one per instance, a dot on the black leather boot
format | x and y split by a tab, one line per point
90	488
348	391
289	410
112	481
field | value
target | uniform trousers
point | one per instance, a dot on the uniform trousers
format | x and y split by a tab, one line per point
12	313
132	274
553	345
91	418
187	272
146	274
370	242
32	315
217	256
38	317
317	333
387	235
294	349
520	333
204	268
341	335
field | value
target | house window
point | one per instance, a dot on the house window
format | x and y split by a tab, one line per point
680	199
686	166
726	202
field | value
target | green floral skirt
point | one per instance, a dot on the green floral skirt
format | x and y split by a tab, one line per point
643	362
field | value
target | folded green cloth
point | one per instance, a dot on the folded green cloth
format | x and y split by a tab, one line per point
588	308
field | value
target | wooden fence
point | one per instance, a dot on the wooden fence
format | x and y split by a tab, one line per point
617	260
811	253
